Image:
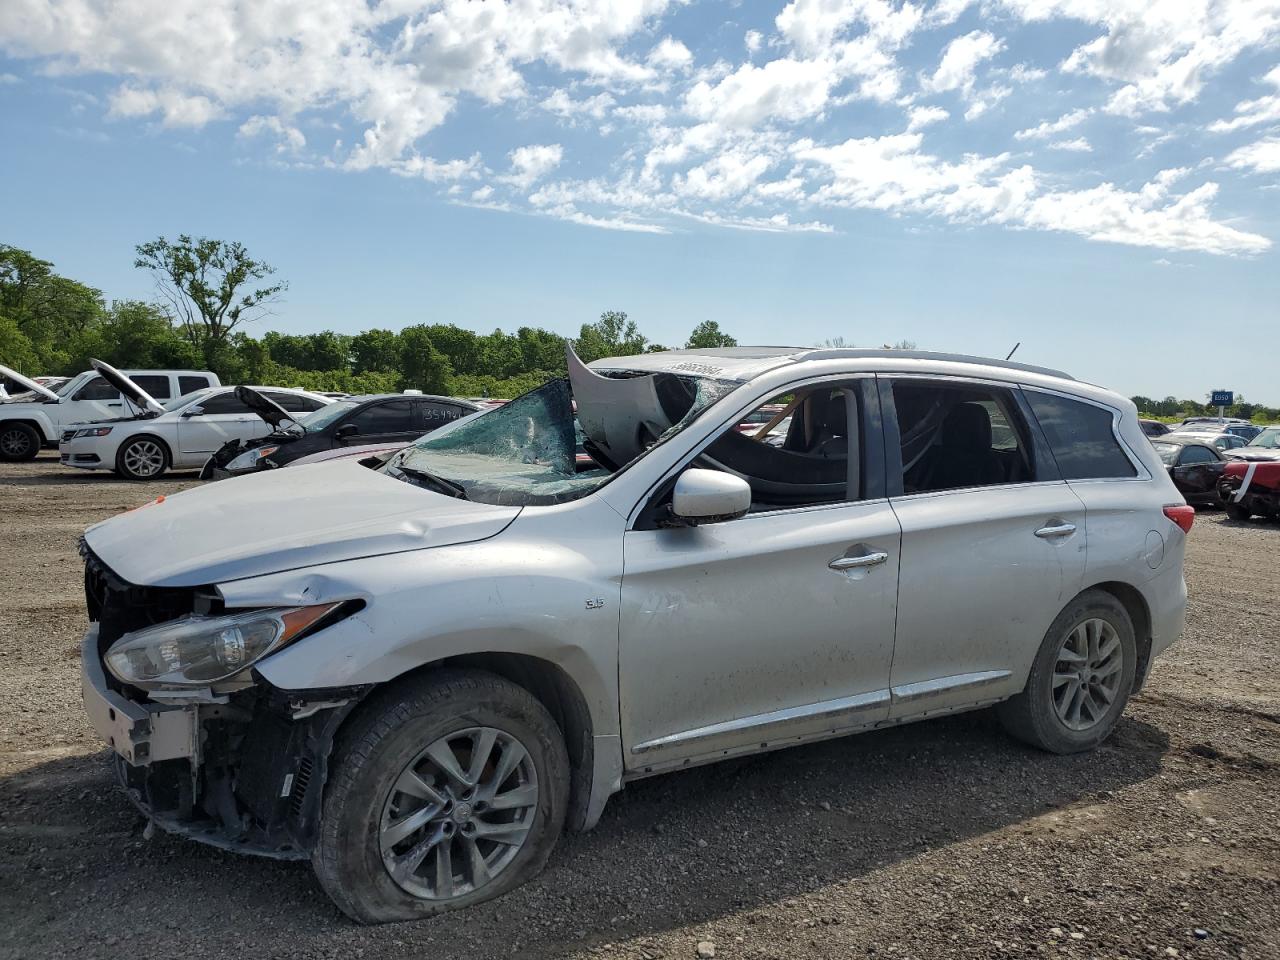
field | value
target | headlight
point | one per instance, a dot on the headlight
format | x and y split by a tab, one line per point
196	651
91	432
249	459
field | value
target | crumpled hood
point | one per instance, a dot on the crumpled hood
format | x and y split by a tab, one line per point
282	520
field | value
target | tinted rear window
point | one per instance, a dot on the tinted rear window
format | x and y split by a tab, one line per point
154	385
191	384
1081	438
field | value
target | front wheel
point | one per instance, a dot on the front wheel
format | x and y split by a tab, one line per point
1081	678
142	458
446	792
18	442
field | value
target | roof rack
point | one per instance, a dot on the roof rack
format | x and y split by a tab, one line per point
856	353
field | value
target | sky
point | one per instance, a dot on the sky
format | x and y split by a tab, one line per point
1096	179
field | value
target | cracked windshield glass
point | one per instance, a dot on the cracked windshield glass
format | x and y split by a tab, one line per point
527	452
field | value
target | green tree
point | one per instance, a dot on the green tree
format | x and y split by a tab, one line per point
375	350
211	286
423	366
708	335
613	335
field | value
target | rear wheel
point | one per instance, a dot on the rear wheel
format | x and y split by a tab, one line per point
142	458
19	441
1081	679
445	793
1237	511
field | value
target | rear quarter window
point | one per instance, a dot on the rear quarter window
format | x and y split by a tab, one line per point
1081	437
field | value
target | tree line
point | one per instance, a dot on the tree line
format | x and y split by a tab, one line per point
209	290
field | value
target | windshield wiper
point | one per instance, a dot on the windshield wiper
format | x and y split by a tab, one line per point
440	484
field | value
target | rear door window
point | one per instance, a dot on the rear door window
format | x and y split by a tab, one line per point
155	385
438	414
392	416
224	403
956	435
294	403
1082	438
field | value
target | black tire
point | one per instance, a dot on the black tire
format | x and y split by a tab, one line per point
1237	511
384	737
1032	715
19	442
130	458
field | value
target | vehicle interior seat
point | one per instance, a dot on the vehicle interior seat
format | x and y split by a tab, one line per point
963	456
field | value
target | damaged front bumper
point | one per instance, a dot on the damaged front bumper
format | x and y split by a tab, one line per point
244	771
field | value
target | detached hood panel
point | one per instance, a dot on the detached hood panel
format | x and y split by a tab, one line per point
282	520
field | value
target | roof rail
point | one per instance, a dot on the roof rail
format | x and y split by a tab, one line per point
856	353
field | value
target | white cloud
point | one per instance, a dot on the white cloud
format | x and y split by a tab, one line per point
919	117
288	139
892	174
960	60
669	54
1260	157
668	127
1051	127
532	163
1252	113
564	106
176	109
9	78
1160	52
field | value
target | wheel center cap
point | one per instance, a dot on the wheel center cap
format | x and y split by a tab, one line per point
462	812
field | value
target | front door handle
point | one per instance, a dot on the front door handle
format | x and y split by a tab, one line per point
1055	530
852	563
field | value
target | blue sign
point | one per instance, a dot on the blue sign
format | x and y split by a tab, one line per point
1223	398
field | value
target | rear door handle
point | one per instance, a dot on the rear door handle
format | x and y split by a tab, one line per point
852	563
1055	530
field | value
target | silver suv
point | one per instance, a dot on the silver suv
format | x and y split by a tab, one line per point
415	672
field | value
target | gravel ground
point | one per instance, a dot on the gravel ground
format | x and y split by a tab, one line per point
935	840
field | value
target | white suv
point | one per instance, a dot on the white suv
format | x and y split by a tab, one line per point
416	672
28	425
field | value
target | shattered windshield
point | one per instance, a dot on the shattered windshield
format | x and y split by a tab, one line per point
524	453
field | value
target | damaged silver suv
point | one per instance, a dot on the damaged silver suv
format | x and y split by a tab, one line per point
417	672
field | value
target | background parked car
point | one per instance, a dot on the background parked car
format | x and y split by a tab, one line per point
1194	466
1265	446
1241	428
1248	487
1219	440
25	427
355	421
181	438
1153	428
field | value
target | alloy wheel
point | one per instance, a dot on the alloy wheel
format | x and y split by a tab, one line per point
458	813
144	458
1087	674
15	443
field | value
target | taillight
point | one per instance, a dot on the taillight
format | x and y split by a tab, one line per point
1181	514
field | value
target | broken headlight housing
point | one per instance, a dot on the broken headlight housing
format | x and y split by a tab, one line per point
196	651
250	459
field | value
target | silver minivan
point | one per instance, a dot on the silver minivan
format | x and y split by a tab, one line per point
416	670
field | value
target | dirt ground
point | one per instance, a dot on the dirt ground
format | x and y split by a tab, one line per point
940	839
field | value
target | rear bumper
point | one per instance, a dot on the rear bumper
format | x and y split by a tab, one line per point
1166	596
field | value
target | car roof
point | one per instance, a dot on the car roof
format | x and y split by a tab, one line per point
746	363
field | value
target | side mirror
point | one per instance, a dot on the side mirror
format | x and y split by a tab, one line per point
709	496
346	430
193	412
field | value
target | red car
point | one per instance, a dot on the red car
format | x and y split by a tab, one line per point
1251	486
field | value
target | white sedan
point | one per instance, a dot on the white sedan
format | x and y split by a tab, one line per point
181	438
